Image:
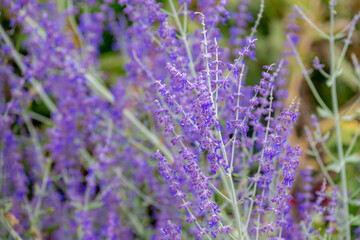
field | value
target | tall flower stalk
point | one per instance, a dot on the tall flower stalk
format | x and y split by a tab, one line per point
335	71
180	146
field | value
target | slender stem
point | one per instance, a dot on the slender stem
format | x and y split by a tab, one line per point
34	24
325	74
237	117
34	139
230	190
73	24
235	207
147	133
307	77
272	213
347	41
318	158
354	194
343	164
245	193
185	17
258	218
251	36
87	197
46	171
217	76
42	191
130	185
350	107
184	38
280	233
327	151
261	159
311	23
133	220
356	65
353	142
257	22
225	177
339	144
220	193
38	117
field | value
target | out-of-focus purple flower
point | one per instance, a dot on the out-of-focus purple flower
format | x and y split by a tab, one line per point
330	217
317	64
171	231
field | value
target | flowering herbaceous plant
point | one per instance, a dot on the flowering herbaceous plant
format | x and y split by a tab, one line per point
180	142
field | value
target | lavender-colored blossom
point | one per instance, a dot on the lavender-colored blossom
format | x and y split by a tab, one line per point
171	231
330	217
79	166
317	64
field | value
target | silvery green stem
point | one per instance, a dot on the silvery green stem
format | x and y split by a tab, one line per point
339	144
236	118
226	178
148	134
257	22
220	193
318	158
307	77
311	23
353	142
184	38
42	191
261	159
258	218
347	42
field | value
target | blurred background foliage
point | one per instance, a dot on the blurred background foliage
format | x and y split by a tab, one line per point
271	36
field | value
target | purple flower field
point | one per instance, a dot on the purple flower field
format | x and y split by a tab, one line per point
169	120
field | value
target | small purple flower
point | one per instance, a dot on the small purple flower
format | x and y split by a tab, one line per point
330	217
171	231
317	64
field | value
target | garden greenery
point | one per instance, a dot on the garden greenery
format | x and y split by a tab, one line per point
181	145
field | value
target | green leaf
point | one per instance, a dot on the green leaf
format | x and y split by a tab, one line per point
310	152
355	220
339	72
354	203
96	85
335	167
349	118
8	207
94	205
80	232
355	158
324	113
339	35
78	206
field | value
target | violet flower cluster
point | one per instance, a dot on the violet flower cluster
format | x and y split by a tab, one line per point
180	147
